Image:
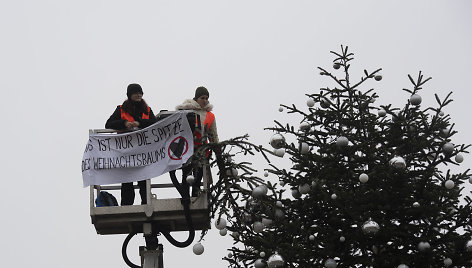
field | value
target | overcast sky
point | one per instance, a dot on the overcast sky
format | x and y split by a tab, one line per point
65	66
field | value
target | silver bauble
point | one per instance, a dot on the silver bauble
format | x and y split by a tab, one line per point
198	249
190	179
262	254
324	103
232	172
296	193
275	261
266	174
468	246
310	102
398	162
334	196
416	204
382	112
311	237
336	65
449	184
303	147
281	109
378	77
279	152
448	148
342	141
279	213
402	266
235	235
277	141
304	126
370	227
259	191
415	99
258	226
259	263
223	232
304	188
342	239
459	158
447	262
423	246
330	263
363	178
220	224
279	204
445	132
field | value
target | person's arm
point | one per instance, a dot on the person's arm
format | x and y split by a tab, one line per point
213	133
147	122
115	121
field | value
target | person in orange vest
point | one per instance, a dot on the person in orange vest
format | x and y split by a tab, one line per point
133	114
202	106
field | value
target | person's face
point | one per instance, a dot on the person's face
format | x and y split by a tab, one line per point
202	100
137	97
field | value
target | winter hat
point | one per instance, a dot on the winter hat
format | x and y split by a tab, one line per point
132	89
200	92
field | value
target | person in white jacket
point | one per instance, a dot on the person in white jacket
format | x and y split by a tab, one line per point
202	106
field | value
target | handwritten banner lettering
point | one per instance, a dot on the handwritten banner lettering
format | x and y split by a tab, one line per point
138	155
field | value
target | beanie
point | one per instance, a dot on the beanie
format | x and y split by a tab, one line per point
200	91
132	89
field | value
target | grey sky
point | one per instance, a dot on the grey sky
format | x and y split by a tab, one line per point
65	66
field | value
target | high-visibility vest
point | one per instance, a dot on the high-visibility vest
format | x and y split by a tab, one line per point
210	118
126	116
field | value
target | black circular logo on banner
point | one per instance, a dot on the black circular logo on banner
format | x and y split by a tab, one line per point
177	148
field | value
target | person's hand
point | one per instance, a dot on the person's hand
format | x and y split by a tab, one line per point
135	124
128	124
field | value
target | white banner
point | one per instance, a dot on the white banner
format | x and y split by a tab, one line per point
138	155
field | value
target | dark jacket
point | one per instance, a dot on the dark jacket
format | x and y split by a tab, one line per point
115	121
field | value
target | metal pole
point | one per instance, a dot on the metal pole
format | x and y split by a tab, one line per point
153	258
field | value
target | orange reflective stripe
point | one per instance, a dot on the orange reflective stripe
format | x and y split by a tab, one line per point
210	117
126	116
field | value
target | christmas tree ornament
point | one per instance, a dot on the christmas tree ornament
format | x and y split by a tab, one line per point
304	188
220	224
441	113
303	147
470	180
342	239
235	235
330	263
232	172
402	266
281	109
370	227
277	141
459	158
295	193
223	232
324	103
258	226
230	255
448	148
282	183
304	126
423	246
311	237
398	162
275	261
468	246
416	204
279	213
259	263
334	196
415	99
382	113
447	262
378	77
445	132
266	222
449	184
279	152
198	249
266	174
262	254
363	178
310	102
336	65
279	204
342	141
259	191
190	179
